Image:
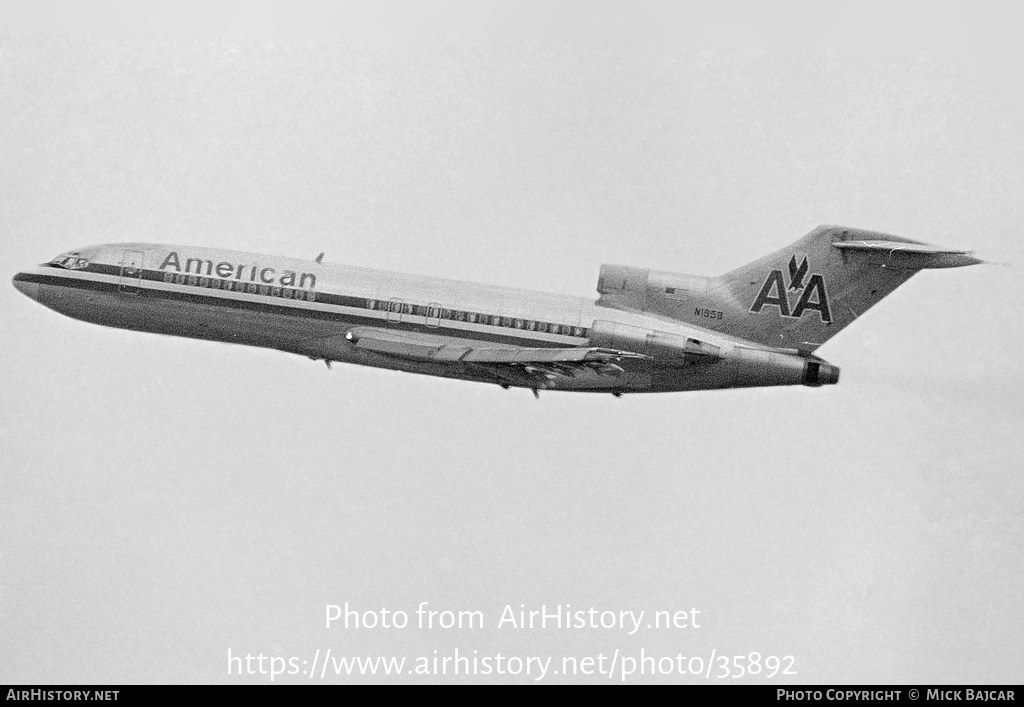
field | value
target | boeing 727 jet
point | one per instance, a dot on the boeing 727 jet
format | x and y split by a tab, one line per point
648	331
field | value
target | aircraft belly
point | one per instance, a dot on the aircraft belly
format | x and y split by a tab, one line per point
95	307
238	326
187	319
710	377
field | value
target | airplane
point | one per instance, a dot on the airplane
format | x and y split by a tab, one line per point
648	331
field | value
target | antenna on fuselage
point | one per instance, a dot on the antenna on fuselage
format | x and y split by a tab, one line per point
319	258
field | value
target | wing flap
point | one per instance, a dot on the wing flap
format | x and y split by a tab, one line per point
402	349
521	364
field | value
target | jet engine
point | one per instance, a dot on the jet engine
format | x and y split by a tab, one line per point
660	345
733	364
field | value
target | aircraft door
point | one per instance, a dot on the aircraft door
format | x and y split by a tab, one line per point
131	272
395	311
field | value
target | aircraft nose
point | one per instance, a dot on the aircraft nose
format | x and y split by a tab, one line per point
25	286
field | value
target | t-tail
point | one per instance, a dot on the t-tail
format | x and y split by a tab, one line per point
798	297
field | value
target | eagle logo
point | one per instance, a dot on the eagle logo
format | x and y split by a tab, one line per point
810	297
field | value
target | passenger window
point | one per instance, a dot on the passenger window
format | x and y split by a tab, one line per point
204	281
371	304
168	277
311	296
446	314
275	291
179	279
472	317
530	326
287	293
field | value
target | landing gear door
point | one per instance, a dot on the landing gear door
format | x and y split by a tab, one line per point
131	272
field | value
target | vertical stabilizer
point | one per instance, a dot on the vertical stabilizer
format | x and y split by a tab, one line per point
797	297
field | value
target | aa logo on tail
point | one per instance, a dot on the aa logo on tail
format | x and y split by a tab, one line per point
813	296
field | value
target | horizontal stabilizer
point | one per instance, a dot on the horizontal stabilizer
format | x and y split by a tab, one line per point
918	256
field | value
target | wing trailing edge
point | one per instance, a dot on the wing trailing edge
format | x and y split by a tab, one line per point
517	365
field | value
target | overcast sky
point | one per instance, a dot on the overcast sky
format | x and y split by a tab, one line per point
164	501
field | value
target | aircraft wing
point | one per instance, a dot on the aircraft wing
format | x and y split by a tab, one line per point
519	365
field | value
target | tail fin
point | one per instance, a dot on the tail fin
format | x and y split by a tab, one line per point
798	297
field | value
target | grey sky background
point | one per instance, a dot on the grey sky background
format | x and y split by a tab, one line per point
164	500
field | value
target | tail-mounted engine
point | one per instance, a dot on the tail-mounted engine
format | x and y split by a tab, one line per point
732	364
659	345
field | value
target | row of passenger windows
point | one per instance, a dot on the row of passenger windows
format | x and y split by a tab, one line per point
438	313
251	288
395	307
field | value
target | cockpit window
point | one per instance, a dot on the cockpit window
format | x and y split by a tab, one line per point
69	261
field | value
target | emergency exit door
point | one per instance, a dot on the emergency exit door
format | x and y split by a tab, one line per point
131	272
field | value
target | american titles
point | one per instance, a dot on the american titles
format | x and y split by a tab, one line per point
250	273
